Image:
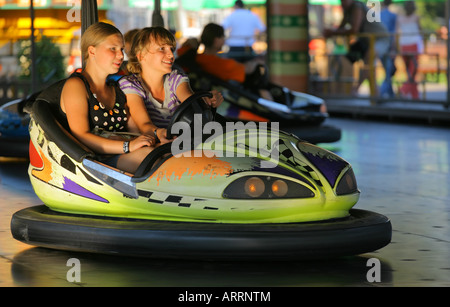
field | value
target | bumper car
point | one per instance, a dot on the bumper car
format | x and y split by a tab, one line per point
14	136
217	197
242	102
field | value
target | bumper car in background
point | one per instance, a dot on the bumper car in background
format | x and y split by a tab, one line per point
14	136
300	113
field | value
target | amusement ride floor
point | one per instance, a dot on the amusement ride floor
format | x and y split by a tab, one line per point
403	172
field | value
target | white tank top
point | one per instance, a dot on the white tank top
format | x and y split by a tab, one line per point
409	31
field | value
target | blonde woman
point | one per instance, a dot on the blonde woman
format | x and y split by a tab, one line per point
93	106
153	87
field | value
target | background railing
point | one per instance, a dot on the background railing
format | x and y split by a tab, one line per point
332	75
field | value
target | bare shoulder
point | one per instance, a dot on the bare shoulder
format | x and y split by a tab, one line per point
74	84
74	88
73	93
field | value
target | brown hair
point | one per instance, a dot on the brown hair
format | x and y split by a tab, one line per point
210	32
129	35
142	39
94	35
410	8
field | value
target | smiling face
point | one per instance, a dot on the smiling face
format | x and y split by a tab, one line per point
158	56
152	51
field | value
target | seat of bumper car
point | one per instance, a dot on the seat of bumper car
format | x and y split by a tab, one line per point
47	112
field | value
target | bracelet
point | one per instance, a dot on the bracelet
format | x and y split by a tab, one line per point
126	146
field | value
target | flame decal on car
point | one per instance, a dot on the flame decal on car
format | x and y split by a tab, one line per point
44	174
176	167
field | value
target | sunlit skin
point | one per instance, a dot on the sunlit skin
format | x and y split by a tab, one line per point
160	57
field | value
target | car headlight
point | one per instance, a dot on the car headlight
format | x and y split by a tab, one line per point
347	184
279	188
265	187
254	187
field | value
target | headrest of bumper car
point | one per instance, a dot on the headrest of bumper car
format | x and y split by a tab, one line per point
55	131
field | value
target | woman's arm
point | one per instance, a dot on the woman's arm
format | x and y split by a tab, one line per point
74	103
139	114
184	91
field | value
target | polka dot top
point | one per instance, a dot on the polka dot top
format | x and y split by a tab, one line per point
101	118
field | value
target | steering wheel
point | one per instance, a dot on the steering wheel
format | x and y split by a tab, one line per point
186	111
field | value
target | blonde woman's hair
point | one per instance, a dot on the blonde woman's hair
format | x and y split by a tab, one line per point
142	39
94	35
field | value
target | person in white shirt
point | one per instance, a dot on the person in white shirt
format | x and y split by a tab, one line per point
411	45
242	26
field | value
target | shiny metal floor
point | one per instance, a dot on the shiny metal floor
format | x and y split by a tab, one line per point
403	172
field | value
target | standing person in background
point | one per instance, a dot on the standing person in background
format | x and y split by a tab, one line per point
242	25
354	22
389	19
411	45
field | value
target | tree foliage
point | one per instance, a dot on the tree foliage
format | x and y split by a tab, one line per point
432	14
49	60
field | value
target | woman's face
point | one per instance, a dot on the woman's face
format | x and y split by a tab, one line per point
109	53
158	56
219	42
